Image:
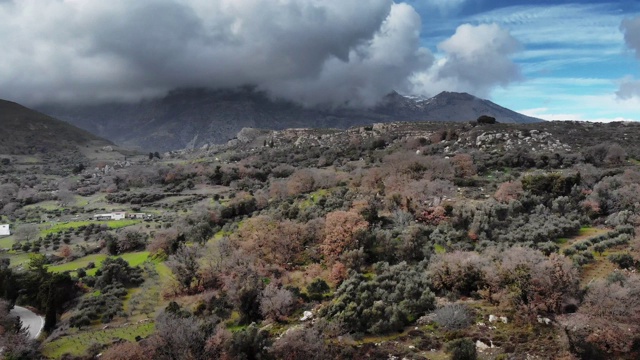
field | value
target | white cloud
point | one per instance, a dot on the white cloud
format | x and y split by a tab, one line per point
475	59
549	115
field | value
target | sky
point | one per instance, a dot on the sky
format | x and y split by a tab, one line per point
559	60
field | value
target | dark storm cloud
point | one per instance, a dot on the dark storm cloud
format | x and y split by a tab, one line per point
331	51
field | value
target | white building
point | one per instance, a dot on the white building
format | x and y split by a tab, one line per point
118	215
5	230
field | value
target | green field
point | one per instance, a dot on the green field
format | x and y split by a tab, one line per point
6	243
112	224
134	259
17	259
77	344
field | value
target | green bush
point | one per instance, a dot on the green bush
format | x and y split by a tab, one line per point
387	302
462	349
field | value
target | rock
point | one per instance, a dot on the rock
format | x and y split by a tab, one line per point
545	320
493	318
481	346
306	316
504	319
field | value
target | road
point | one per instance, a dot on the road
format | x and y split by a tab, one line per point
29	319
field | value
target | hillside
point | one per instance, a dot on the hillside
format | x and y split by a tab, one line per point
403	239
192	118
25	131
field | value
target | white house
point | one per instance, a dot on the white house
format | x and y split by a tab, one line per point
118	215
5	230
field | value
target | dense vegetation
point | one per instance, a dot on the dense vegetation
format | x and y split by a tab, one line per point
406	240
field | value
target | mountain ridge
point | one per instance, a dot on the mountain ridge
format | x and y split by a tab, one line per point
27	131
189	118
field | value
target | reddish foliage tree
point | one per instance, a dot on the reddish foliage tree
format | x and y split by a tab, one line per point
464	166
509	191
126	351
341	228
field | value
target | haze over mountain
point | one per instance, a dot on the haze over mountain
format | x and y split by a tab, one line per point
194	117
25	131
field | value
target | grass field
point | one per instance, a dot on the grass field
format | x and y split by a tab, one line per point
49	205
112	224
17	259
6	242
77	344
134	259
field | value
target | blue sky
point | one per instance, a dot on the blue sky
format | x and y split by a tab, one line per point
572	57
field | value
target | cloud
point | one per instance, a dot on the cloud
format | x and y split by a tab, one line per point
370	70
444	6
630	87
476	59
91	50
631	29
547	114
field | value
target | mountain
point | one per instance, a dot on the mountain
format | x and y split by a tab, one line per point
190	118
25	131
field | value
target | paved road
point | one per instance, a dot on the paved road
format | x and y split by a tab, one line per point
29	320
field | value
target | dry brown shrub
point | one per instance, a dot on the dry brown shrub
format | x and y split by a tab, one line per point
341	228
127	351
508	191
464	166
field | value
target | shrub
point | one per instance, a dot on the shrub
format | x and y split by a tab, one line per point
462	349
317	289
624	261
387	302
454	316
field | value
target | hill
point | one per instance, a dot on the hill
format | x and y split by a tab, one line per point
402	239
191	118
26	131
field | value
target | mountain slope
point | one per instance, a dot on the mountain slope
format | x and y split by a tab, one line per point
194	117
25	131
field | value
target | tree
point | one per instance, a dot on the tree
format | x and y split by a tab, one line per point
126	351
276	302
300	343
185	265
341	228
508	191
179	337
486	119
131	240
276	242
15	341
26	232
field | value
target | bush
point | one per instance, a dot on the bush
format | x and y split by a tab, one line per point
454	317
317	289
387	302
624	261
462	349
